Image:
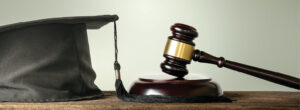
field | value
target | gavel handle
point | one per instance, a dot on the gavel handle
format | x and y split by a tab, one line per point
275	77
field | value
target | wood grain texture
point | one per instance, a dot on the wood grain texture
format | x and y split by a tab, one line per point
243	101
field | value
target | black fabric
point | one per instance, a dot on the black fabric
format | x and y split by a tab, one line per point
91	22
48	60
125	96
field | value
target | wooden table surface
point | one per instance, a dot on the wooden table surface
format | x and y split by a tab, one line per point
243	101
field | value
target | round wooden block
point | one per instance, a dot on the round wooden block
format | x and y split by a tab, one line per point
191	85
191	78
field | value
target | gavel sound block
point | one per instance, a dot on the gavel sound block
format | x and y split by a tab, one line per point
180	50
192	85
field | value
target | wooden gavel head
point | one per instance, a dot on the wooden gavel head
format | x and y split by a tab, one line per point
179	50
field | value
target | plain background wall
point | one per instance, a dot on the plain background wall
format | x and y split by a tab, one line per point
263	33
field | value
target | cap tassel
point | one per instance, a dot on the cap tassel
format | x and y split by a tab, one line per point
120	90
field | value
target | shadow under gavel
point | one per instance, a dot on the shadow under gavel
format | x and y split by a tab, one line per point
179	52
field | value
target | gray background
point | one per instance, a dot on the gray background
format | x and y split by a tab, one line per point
263	33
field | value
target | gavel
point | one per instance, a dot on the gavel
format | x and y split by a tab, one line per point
180	50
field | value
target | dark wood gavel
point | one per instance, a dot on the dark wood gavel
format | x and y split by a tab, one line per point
179	52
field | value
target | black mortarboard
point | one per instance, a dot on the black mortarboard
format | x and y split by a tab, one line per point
48	60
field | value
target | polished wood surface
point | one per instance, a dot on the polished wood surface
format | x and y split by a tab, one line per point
268	75
176	66
174	89
247	100
167	85
164	78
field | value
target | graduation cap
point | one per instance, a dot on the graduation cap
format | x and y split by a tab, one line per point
48	60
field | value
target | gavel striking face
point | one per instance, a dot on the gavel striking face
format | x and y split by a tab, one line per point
180	50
